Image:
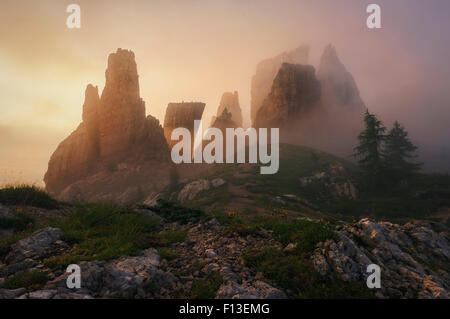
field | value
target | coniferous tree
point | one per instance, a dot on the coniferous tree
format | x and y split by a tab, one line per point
369	151
397	152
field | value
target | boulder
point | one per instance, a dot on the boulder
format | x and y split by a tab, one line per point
40	244
192	189
404	254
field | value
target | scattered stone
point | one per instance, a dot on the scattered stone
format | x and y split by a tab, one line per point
335	179
217	182
37	245
192	189
152	199
5	212
11	293
290	247
260	290
210	253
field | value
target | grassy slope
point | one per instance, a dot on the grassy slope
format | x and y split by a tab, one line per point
249	193
102	232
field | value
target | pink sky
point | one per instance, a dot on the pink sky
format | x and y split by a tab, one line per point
198	49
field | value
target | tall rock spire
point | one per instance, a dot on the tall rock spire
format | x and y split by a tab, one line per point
121	111
114	133
338	85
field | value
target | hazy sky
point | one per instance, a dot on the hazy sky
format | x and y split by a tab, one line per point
194	50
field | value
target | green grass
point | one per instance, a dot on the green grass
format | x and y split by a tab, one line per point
28	280
171	237
295	162
102	232
18	223
294	272
206	288
27	195
176	213
168	254
424	196
303	232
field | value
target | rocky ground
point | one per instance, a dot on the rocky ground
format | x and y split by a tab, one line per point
414	260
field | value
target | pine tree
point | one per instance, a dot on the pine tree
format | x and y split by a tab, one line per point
397	151
369	151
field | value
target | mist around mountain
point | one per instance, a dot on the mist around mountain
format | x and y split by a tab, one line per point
142	227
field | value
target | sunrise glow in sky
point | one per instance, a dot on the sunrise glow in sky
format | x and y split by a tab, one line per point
195	50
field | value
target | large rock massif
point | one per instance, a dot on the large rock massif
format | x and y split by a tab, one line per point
182	115
107	154
318	109
267	70
295	91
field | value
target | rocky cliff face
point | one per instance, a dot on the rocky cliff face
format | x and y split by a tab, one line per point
295	91
267	70
338	86
181	115
230	102
115	133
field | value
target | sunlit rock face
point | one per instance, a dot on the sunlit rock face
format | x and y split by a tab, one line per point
121	110
295	92
182	115
115	136
266	71
230	102
338	86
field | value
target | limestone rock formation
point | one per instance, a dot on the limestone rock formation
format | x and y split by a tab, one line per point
405	254
115	133
295	91
266	71
191	190
335	178
324	113
230	102
181	115
338	86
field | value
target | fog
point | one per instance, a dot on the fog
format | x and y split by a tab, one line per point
194	50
